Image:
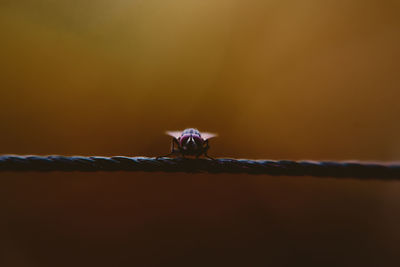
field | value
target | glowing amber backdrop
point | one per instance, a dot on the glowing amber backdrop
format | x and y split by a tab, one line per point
276	79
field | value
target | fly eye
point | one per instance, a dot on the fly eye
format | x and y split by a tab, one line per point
191	141
198	141
184	139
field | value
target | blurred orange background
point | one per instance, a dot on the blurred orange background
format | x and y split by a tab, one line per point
276	79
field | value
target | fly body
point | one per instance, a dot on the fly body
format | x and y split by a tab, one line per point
190	142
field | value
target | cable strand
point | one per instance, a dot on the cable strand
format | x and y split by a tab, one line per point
360	170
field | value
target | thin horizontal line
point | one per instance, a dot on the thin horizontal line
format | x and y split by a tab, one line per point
341	169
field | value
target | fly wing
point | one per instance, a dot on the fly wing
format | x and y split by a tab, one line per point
175	134
206	136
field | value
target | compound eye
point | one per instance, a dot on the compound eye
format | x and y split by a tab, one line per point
191	141
184	140
198	140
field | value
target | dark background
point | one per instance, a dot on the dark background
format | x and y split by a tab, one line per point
276	79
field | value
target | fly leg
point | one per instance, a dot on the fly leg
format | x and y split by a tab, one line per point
206	147
173	151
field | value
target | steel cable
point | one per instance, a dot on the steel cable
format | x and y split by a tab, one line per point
360	170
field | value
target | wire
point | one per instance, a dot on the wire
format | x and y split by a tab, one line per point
360	170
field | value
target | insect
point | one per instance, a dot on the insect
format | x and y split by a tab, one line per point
190	142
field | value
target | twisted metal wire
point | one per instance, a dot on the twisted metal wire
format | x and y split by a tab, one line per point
358	170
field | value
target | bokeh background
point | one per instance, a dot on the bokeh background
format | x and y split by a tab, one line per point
276	79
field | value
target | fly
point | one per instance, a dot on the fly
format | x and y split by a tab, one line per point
190	142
